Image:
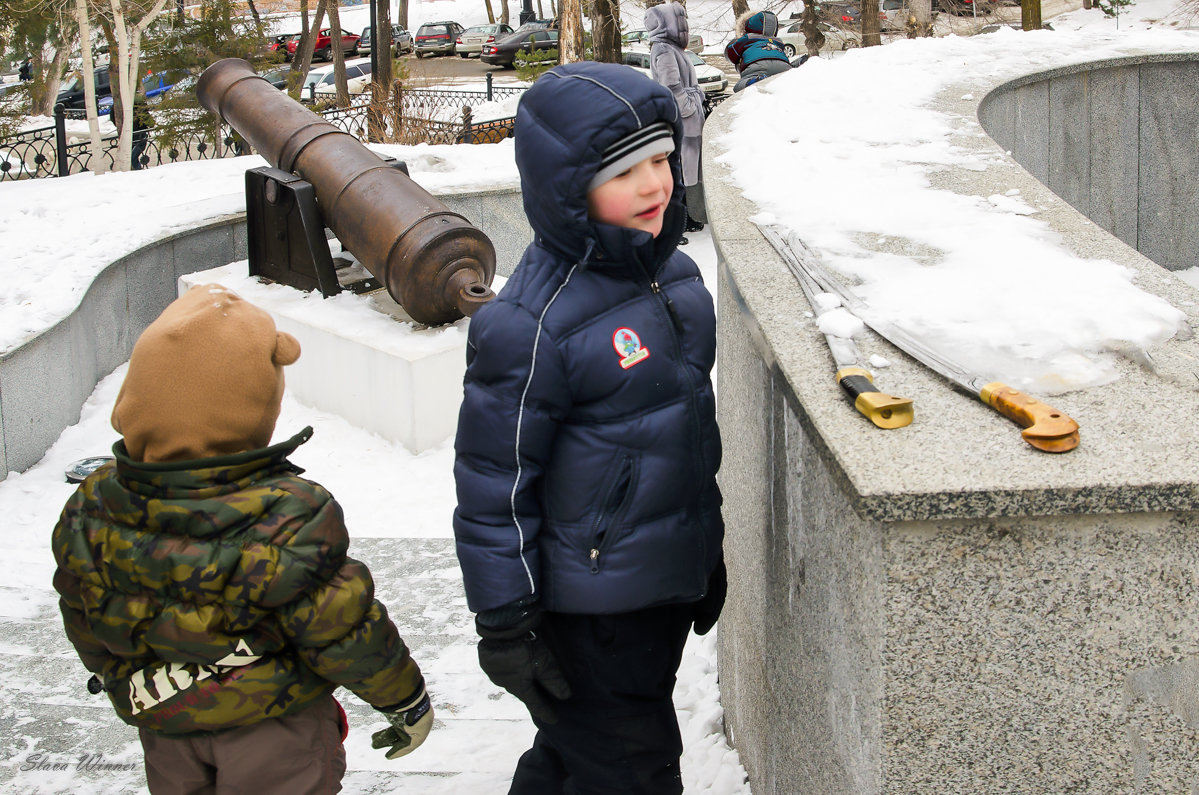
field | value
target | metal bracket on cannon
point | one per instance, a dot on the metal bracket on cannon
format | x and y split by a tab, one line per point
286	233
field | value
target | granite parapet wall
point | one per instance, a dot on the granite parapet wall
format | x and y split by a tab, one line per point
940	608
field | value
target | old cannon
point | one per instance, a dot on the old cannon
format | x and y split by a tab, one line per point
431	260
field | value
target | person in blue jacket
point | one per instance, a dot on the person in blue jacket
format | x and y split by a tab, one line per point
588	524
756	52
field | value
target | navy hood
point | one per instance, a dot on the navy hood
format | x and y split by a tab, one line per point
563	125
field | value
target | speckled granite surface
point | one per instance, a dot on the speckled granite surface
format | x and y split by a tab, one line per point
941	608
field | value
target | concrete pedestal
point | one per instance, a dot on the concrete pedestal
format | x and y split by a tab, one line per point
362	358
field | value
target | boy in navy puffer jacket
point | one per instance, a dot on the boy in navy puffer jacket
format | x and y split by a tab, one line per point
755	52
588	523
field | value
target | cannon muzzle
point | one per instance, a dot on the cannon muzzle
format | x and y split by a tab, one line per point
432	261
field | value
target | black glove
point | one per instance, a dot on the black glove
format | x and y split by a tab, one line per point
516	659
707	609
410	725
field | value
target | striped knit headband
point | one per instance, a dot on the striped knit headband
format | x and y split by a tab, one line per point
653	139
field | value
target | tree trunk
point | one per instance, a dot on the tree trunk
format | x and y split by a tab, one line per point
47	79
540	12
605	31
490	12
129	43
812	34
254	13
339	56
89	80
380	79
504	12
739	8
872	35
920	19
1030	14
303	57
570	32
402	17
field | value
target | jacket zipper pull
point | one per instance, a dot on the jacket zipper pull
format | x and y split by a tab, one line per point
674	316
594	561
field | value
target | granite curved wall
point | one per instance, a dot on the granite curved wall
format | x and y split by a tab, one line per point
939	608
45	381
1119	142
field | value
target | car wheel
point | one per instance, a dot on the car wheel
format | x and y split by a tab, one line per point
322	55
420	54
789	50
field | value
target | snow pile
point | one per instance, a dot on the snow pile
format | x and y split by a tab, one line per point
964	280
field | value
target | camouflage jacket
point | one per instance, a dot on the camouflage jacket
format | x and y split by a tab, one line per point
216	593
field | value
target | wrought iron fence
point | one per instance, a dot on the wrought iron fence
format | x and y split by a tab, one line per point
411	116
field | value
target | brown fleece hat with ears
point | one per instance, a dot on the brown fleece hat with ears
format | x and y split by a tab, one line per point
205	379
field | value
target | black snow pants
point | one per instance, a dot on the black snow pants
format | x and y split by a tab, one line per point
617	733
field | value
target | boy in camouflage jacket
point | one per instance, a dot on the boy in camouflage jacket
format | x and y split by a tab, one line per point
206	585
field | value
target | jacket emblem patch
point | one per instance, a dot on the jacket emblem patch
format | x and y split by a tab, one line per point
628	347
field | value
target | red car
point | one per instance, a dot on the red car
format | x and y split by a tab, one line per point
323	50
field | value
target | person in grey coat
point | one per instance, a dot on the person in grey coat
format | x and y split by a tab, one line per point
671	66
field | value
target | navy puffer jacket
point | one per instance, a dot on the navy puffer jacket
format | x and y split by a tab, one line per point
587	446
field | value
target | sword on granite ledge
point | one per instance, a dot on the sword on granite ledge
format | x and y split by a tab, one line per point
1045	428
885	411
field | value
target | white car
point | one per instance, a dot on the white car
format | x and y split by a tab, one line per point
835	38
358	77
711	80
470	41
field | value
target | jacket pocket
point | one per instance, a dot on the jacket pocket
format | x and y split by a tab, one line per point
614	498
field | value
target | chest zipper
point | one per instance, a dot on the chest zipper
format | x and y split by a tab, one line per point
674	315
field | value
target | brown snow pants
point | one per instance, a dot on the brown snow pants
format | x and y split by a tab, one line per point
298	754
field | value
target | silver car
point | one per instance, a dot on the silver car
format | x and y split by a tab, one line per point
401	40
471	41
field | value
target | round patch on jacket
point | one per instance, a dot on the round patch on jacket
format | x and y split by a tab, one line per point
628	347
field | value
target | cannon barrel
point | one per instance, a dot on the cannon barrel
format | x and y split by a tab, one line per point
432	261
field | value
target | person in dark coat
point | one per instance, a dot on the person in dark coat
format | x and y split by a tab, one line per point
25	71
755	52
588	524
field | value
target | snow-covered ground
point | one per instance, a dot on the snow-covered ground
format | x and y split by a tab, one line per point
61	232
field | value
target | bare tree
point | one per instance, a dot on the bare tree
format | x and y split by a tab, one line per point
129	42
1030	14
302	59
810	25
504	12
919	23
570	32
739	8
605	31
339	56
402	17
83	19
490	12
872	34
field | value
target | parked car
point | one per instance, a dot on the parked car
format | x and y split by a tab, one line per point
437	38
358	77
159	83
278	44
401	40
695	42
835	38
893	14
504	52
323	49
277	77
965	8
710	79
71	94
471	41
